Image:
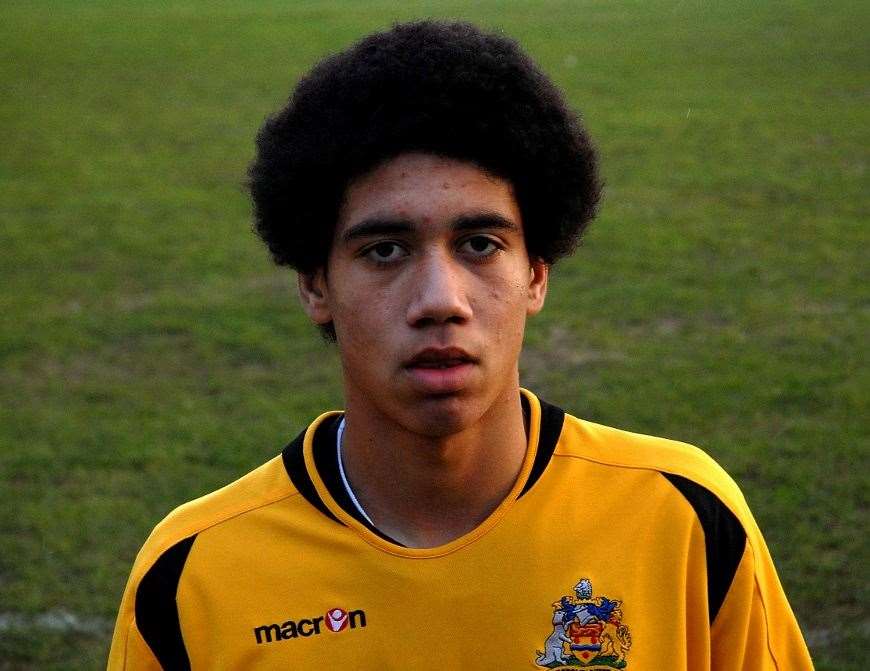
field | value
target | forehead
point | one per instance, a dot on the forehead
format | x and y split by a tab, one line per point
424	189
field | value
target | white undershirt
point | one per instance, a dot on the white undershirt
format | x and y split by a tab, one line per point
344	477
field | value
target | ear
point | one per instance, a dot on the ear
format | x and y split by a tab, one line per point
539	273
314	294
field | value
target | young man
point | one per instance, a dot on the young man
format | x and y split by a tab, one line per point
422	183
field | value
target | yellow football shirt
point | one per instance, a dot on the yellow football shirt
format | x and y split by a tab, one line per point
614	550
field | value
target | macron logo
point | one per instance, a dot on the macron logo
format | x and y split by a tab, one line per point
335	619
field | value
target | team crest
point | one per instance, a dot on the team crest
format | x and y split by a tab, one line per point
587	633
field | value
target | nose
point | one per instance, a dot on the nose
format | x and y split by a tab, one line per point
439	292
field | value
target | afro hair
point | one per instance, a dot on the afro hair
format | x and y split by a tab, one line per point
445	88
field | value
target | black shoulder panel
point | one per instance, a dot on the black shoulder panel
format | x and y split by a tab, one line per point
294	464
552	419
724	539
157	610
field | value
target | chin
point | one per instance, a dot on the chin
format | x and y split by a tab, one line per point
438	417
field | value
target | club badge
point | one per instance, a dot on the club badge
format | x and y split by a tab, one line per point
588	633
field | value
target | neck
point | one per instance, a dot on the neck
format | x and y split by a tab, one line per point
425	491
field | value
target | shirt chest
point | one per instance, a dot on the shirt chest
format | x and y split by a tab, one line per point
550	595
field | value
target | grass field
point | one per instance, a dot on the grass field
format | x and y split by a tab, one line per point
149	352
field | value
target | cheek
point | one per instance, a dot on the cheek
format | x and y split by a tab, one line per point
350	317
504	310
362	315
361	343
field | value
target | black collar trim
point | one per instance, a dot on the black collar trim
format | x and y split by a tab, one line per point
552	420
294	464
326	462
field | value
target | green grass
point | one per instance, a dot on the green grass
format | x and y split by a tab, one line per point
149	352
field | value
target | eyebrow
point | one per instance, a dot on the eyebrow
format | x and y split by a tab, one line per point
383	226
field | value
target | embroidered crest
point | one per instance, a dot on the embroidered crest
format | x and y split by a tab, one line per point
587	633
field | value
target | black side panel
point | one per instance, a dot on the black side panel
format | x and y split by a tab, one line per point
724	539
294	464
552	419
157	610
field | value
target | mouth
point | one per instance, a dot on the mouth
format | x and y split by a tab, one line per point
440	358
440	370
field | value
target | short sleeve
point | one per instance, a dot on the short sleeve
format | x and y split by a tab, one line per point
755	628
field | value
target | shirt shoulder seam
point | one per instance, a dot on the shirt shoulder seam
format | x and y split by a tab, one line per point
225	515
718	491
760	594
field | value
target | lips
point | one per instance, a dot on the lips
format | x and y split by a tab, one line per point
434	357
440	370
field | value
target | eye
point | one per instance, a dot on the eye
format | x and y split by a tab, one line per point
480	246
385	252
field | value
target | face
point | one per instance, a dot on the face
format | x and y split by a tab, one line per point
429	286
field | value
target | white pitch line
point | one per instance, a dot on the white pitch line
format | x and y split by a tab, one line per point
55	620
